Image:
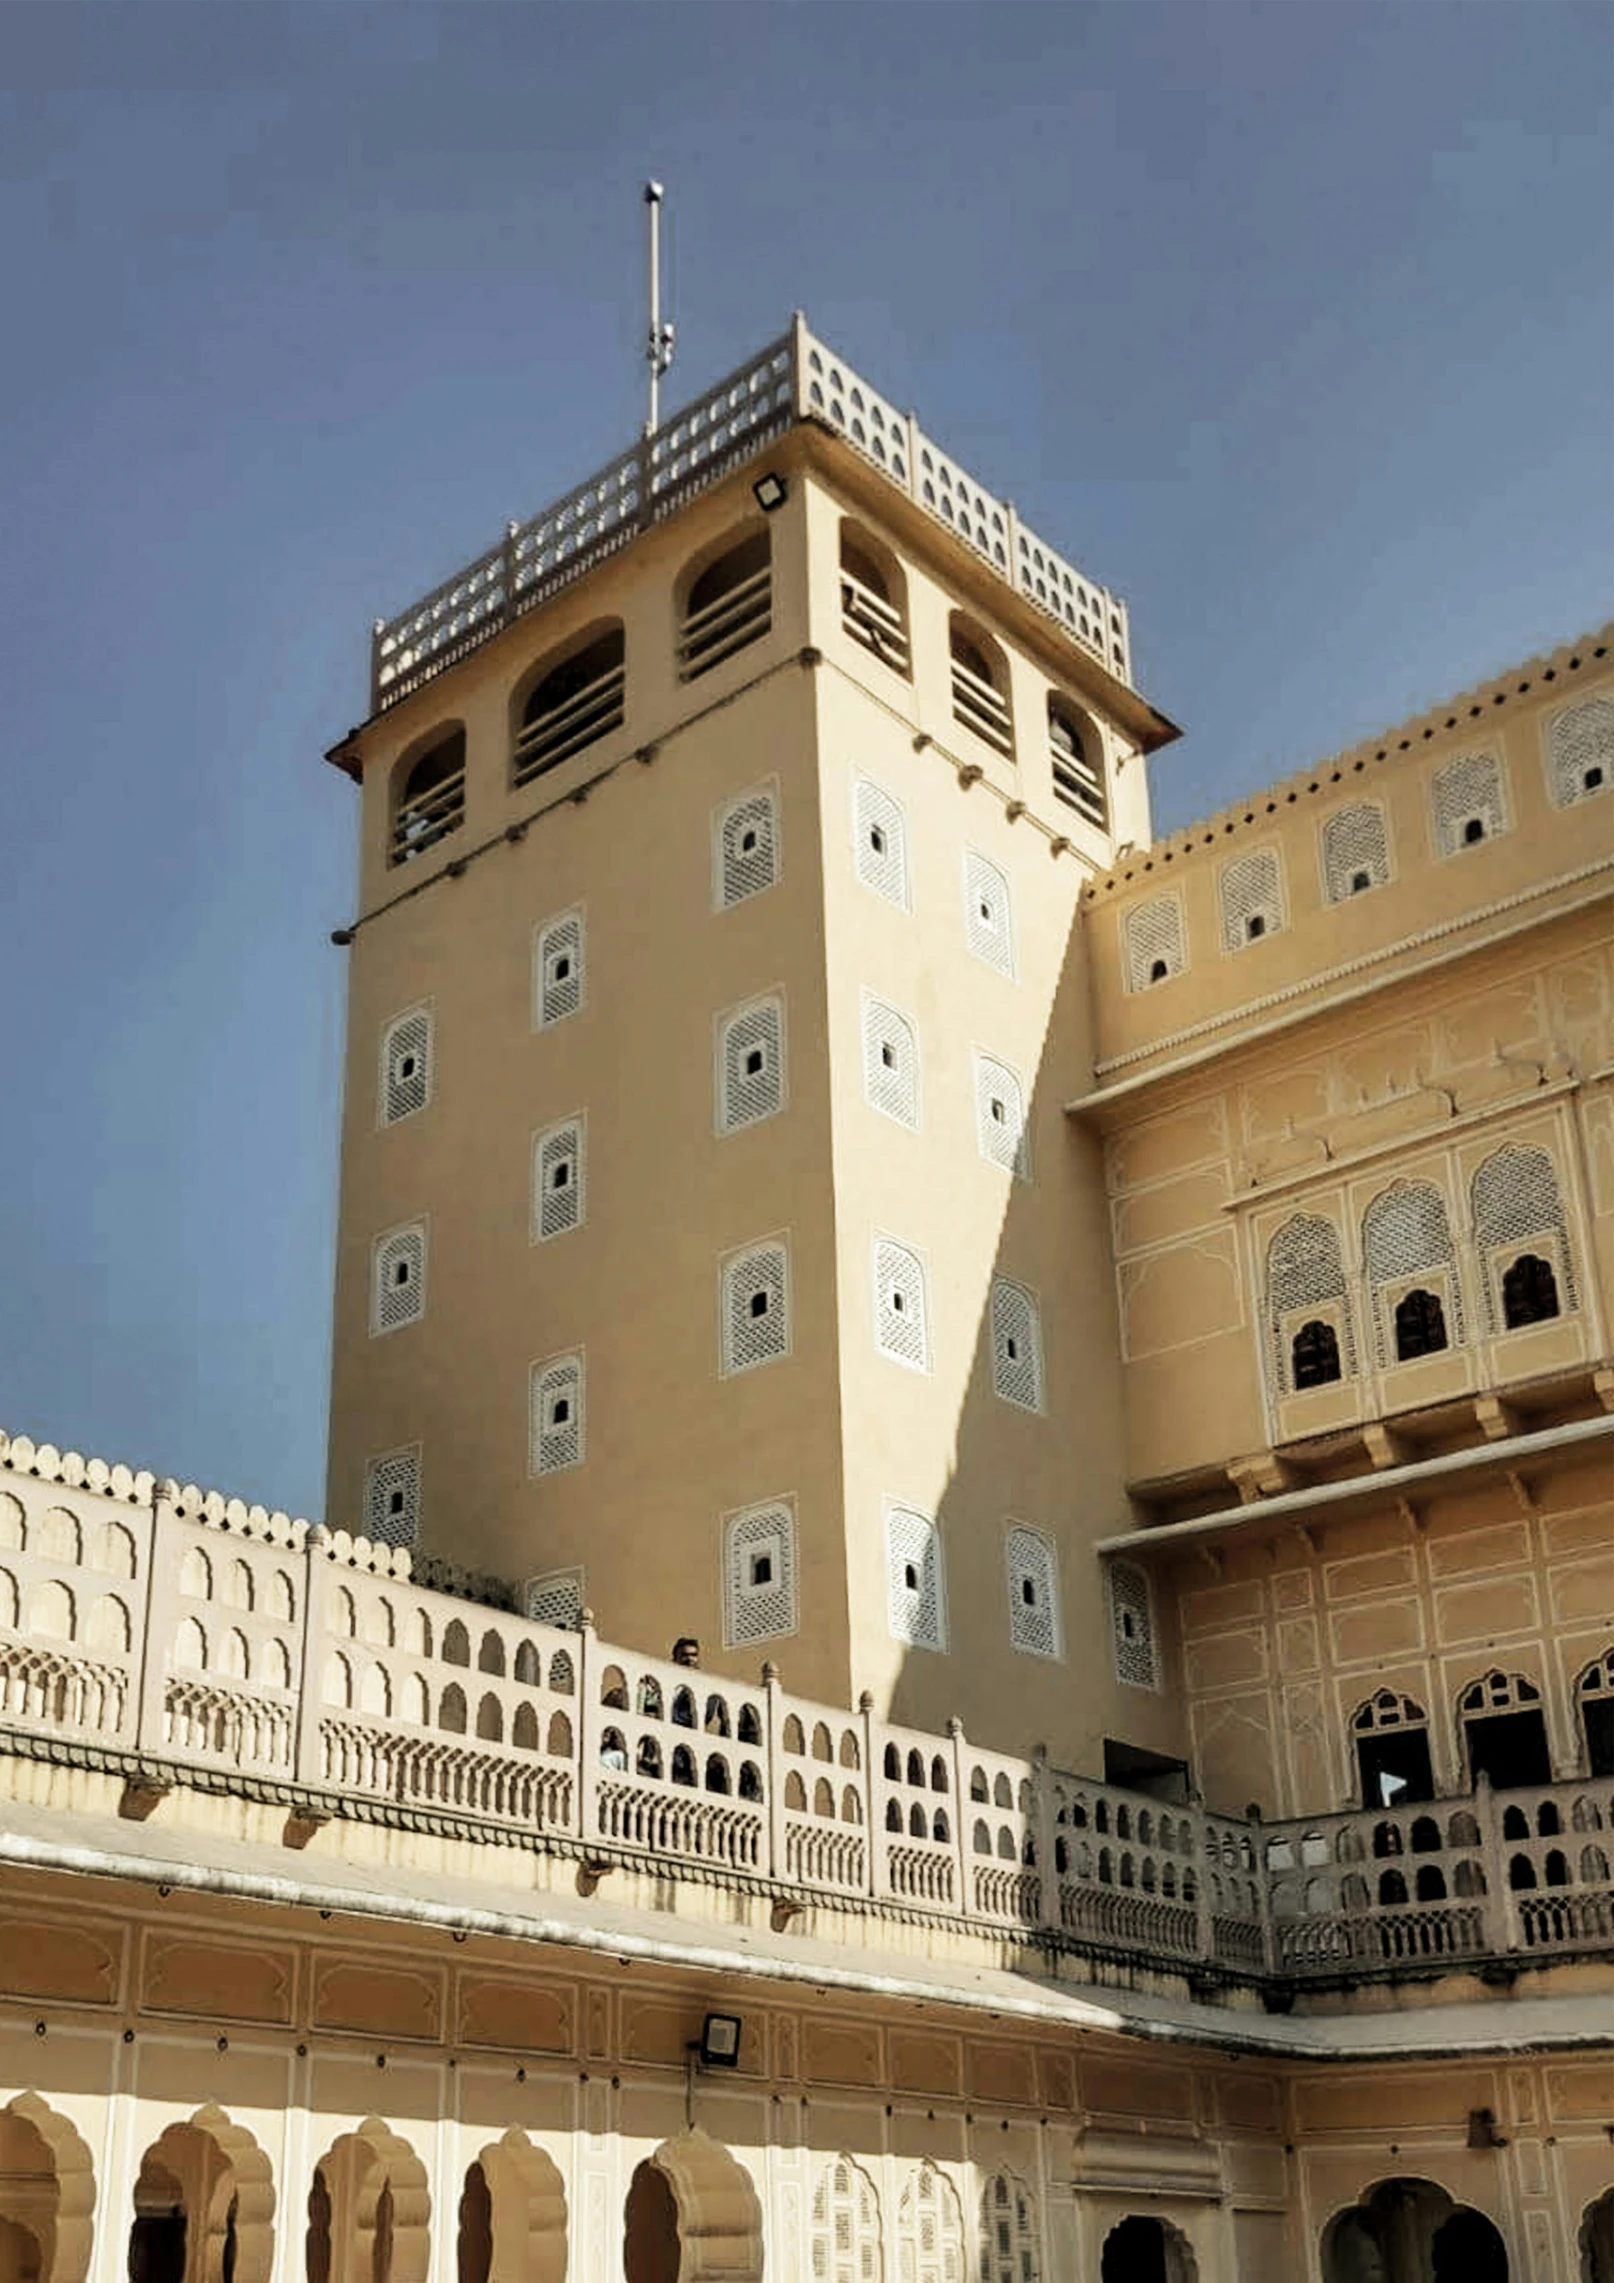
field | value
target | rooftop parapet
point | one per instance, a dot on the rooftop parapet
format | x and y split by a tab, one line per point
796	378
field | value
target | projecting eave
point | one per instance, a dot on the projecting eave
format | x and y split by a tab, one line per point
1384	1487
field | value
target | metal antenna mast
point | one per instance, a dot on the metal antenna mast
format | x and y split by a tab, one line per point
659	348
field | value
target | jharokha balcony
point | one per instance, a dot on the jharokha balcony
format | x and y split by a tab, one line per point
176	1639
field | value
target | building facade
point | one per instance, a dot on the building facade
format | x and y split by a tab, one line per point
1097	1348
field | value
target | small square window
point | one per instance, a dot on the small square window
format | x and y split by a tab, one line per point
755	1062
559	1411
759	1303
562	1175
877	840
762	1569
910	1576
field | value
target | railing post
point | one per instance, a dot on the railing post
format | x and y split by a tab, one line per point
1204	1916
775	1765
1263	1892
160	1617
590	1721
800	341
1048	1912
955	1731
1501	1918
507	573
879	1864
313	1617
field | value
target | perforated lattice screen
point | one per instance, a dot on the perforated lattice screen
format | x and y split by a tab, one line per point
1404	1232
1356	851
1515	1197
1016	1345
558	970
1000	1115
559	1177
750	1065
1132	1626
557	1416
406	1065
747	848
846	2225
988	915
1305	1270
759	1570
1580	751
1466	802
916	1595
1008	2231
1252	898
1033	1598
556	1599
755	1316
890	1062
398	1279
930	2230
392	1497
1152	942
880	837
901	1326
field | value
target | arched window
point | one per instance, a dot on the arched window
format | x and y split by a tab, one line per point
1132	1626
745	848
759	1571
880	842
750	1064
1077	755
557	1418
1000	1117
1033	1592
845	2239
980	684
1390	1734
428	798
755	1310
1505	1731
558	973
559	1180
1519	1217
1580	751
1406	1236
1356	851
1252	898
728	606
406	1065
572	705
1153	942
392	1497
1529	1292
398	1279
890	1063
1306	1304
872	599
930	2228
1467	803
916	1594
901	1317
1016	1345
1594	1693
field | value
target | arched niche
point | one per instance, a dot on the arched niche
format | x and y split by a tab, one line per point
225	2191
47	2191
369	2210
694	2205
1143	2248
513	2215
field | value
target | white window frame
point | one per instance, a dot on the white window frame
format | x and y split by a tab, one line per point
540	1020
425	1010
737	1634
898	1511
535	1427
884	1241
1038	1367
776	1243
419	1228
550	1582
766	789
1049	1581
411	1454
576	1123
873	1009
722	1024
902	901
1007	966
982	1063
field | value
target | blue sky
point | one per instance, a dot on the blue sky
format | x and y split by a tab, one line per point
1293	323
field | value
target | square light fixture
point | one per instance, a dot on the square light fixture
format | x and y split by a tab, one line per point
770	491
720	2041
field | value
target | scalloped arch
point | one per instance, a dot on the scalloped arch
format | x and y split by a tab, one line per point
229	2170
528	2197
62	2221
719	2217
358	2167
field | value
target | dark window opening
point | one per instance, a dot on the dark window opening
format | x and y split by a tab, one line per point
1133	1768
1028	1592
910	1576
877	840
754	1062
431	800
1360	881
730	604
561	1177
1395	1769
759	1303
1136	2253
762	1569
1473	831
1510	1748
561	1412
1315	1355
1254	926
1593	779
888	1056
1529	1292
574	705
1597	1713
1420	1326
1157	970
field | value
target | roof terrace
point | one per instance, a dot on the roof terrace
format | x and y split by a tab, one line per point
797	378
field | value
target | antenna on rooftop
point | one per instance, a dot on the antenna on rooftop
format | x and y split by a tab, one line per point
659	346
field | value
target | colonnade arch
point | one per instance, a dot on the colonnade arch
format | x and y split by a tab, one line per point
369	2211
512	2216
1410	2230
692	2216
47	2200
1146	2249
204	2205
1596	2244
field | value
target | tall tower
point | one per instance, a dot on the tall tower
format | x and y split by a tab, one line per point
714	1250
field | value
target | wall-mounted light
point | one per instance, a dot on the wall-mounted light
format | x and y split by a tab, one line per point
770	491
719	2046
